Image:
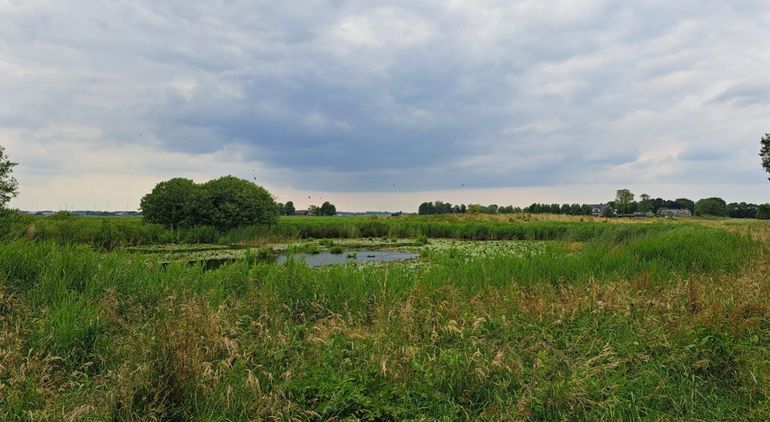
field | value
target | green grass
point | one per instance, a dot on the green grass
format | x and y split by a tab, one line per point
110	233
601	321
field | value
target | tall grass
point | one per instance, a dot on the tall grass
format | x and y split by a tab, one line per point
667	321
109	233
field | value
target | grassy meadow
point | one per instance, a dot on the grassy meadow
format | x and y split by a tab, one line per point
504	318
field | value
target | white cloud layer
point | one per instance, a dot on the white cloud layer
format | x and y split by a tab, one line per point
386	104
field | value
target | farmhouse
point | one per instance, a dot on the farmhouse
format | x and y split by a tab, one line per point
666	212
597	209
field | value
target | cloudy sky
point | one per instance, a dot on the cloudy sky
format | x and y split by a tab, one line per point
383	105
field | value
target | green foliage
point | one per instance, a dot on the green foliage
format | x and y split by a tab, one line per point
763	212
288	208
764	152
223	203
174	203
623	200
232	202
8	184
326	209
11	223
634	321
715	207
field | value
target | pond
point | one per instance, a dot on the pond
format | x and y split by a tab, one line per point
361	256
320	259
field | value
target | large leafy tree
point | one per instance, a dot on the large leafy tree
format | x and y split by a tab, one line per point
289	209
8	185
711	206
623	200
764	152
232	202
174	203
223	203
645	203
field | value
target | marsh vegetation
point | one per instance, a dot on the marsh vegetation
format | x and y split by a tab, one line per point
497	319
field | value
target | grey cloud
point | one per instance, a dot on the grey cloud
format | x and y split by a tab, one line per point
338	95
745	94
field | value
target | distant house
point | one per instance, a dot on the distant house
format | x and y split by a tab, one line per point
597	209
666	212
301	212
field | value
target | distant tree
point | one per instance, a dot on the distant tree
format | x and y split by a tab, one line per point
623	200
327	209
645	203
685	204
741	210
474	209
426	208
608	211
711	206
443	207
313	210
288	208
764	152
8	185
763	212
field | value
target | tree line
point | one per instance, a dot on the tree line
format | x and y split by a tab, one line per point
440	207
624	204
326	209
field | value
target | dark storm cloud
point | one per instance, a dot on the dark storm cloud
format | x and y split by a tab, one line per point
423	95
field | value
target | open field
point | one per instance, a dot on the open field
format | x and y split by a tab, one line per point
547	319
